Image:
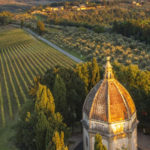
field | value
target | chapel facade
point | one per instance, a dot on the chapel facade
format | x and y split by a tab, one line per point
110	111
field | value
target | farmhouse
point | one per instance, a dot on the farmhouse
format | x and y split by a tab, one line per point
84	7
38	12
110	111
55	8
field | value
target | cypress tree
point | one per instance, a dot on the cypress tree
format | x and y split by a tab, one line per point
40	131
59	92
95	73
83	72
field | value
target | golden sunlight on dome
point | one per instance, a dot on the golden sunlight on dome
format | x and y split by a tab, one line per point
108	100
117	128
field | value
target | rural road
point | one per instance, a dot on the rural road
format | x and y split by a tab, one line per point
53	45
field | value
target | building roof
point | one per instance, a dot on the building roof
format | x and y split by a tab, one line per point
108	100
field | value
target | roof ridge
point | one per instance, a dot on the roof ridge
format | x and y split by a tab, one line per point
100	87
108	102
124	100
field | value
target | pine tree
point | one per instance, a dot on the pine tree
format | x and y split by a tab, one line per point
59	92
98	143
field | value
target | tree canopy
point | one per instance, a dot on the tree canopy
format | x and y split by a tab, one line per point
5	17
137	83
40	27
59	92
38	121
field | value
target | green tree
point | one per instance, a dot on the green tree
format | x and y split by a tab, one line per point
137	83
98	143
83	71
89	72
40	27
95	73
41	130
22	23
38	121
44	100
5	17
59	92
25	128
75	91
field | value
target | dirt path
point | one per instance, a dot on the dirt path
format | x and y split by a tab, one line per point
53	45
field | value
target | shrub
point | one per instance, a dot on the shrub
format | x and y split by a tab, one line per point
40	27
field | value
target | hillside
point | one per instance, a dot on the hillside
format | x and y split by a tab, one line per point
19	6
88	44
6	2
21	60
22	2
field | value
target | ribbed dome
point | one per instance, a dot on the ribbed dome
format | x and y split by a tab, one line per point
108	100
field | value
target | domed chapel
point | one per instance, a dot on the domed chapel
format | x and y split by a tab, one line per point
110	111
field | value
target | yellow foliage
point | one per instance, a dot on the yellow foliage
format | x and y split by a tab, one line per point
59	141
34	88
28	116
44	99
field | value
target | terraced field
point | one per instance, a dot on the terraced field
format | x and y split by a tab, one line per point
22	57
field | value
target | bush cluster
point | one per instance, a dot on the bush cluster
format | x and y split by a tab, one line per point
90	44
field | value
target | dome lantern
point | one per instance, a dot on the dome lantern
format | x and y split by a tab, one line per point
108	70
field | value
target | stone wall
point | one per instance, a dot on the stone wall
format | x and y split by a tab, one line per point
85	140
134	139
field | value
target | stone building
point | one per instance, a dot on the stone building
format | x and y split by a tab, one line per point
110	111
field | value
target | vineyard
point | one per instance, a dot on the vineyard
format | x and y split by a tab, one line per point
22	58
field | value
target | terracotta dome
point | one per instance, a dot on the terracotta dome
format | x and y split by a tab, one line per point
108	100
